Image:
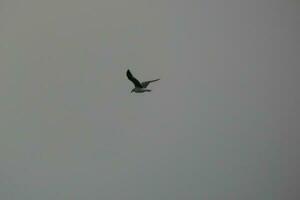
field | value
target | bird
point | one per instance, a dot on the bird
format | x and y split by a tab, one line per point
139	87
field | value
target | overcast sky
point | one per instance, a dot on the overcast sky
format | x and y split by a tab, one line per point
222	123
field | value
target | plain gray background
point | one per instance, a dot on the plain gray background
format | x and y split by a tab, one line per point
222	123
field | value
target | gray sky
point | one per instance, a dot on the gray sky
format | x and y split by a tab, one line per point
222	123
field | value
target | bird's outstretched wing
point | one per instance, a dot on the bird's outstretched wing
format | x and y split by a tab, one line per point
146	83
133	79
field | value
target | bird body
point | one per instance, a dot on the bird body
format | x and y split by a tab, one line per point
139	87
140	90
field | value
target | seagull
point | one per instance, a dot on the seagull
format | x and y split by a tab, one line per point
139	87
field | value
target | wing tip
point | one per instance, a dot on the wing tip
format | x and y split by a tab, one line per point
129	75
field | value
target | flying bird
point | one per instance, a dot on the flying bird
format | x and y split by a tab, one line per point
139	87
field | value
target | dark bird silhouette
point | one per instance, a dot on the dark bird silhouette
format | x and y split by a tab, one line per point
139	87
